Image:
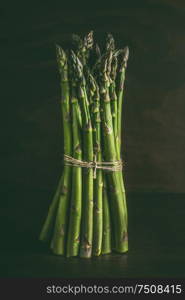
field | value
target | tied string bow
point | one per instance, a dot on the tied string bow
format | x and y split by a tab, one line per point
113	166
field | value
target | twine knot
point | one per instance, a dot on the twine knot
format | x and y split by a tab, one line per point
113	166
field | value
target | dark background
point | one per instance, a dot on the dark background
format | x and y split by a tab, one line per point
153	128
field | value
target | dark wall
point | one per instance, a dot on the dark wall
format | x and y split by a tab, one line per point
154	105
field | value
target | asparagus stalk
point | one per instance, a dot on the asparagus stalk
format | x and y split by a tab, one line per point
90	90
58	243
117	201
121	79
73	240
98	182
113	97
106	239
115	114
122	70
111	69
117	105
87	209
48	225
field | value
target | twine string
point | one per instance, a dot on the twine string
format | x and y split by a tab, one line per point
95	167
113	166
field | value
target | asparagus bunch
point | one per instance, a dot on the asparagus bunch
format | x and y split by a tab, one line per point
88	214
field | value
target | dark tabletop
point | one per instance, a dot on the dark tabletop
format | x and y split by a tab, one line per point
156	241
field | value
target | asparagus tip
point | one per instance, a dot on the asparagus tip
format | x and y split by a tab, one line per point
97	49
110	45
126	53
60	52
88	40
57	46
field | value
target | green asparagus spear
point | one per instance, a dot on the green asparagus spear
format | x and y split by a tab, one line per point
117	201
119	137
87	201
73	240
58	243
106	239
47	228
122	70
98	181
